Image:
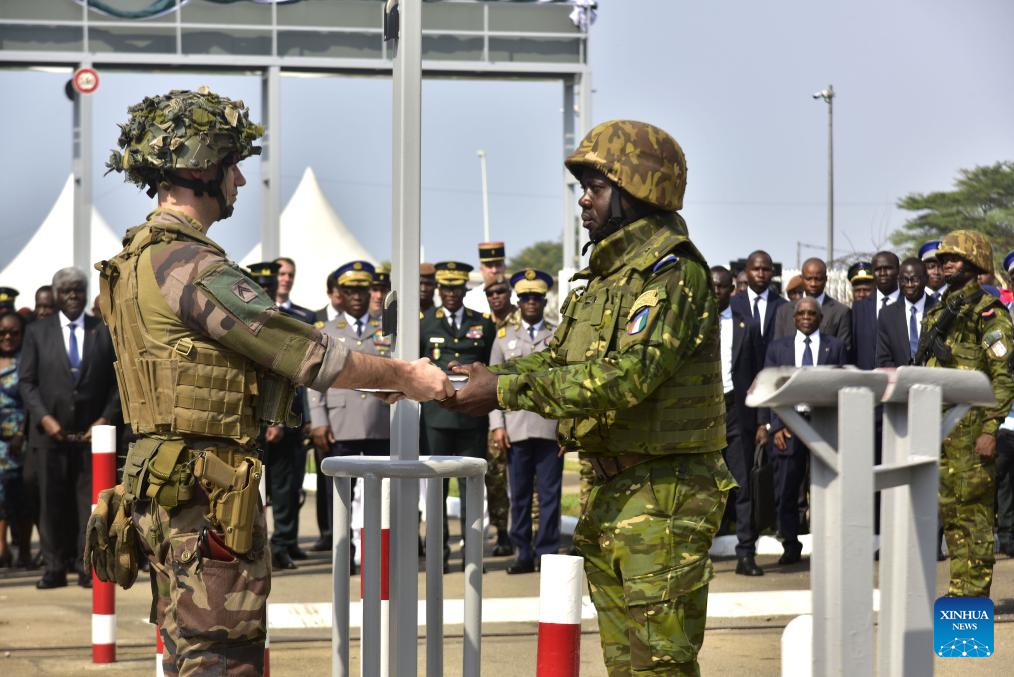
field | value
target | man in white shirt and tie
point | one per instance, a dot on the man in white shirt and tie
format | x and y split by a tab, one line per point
900	324
865	312
806	348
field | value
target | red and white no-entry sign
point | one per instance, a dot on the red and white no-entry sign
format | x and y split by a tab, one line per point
85	80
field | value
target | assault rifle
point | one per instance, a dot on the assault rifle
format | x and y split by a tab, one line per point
932	340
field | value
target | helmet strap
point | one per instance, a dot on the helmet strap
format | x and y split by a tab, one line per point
213	188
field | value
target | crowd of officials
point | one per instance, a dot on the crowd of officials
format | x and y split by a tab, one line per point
57	381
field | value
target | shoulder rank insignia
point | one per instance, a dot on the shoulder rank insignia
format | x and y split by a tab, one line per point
319	324
486	315
374	323
989	312
639	321
440	314
501	332
421	314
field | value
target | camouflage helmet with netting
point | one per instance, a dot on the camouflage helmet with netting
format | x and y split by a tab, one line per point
970	245
182	130
642	159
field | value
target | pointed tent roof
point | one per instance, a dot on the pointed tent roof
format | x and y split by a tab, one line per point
316	238
52	248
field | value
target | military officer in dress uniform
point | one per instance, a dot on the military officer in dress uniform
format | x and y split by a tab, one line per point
347	422
427	285
284	451
7	297
860	276
491	266
454	333
529	440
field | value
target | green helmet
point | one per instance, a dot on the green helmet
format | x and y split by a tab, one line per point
183	130
640	158
970	245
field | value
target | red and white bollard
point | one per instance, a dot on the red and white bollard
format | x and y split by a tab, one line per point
159	650
267	650
560	589
385	569
103	594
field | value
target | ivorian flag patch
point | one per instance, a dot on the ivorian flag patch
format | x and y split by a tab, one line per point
638	322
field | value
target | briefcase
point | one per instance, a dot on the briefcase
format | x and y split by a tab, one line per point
762	492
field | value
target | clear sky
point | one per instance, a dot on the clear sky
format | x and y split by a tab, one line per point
924	88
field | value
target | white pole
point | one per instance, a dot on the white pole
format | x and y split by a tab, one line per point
485	196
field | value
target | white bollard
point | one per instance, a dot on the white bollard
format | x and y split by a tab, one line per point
560	588
797	647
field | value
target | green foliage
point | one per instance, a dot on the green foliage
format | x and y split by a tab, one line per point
983	199
546	256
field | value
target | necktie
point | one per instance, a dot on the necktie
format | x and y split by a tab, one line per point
531	332
756	313
73	354
454	324
884	301
359	328
913	334
935	295
807	353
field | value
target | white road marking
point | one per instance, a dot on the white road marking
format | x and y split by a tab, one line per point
759	604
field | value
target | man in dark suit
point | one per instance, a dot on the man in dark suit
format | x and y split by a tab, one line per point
806	348
332	310
837	316
454	333
900	323
287	278
866	311
742	357
68	385
759	303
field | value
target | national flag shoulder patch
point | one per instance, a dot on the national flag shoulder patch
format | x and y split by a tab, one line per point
639	321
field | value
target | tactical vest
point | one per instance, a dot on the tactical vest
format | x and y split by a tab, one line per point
685	414
173	380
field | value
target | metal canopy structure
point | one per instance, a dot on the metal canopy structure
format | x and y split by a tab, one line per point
460	38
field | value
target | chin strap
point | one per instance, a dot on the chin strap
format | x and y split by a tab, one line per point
213	188
615	222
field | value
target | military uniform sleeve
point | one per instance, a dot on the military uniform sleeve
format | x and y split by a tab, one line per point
998	343
682	319
213	297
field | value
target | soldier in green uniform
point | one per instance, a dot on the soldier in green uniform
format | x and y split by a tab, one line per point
634	375
970	329
204	358
454	333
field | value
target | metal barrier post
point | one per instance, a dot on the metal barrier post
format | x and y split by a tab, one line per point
433	468
434	577
340	556
103	594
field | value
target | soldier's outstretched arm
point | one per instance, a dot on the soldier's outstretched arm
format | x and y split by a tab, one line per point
212	296
676	325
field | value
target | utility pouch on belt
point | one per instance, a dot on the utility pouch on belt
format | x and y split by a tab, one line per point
157	468
232	494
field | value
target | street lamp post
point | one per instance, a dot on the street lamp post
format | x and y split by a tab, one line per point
485	196
828	96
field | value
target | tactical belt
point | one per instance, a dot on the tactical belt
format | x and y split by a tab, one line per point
608	467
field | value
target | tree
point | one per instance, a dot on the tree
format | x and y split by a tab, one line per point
546	256
983	199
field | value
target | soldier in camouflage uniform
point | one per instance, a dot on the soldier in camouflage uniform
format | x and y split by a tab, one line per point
634	374
970	329
204	358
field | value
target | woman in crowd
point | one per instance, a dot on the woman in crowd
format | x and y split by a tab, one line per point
13	510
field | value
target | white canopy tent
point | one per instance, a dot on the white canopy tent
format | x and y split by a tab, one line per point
316	238
52	248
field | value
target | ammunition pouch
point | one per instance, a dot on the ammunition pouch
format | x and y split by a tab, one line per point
274	401
159	469
233	496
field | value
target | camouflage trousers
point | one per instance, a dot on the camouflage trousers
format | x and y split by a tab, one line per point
212	613
496	487
645	536
967	485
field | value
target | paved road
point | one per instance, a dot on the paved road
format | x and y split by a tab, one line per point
48	632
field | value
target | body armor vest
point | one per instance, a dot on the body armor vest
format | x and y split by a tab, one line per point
685	414
172	379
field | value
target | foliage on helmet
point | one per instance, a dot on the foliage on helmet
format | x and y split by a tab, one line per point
642	159
970	245
182	130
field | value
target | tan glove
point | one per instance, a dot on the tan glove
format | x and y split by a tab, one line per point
111	546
